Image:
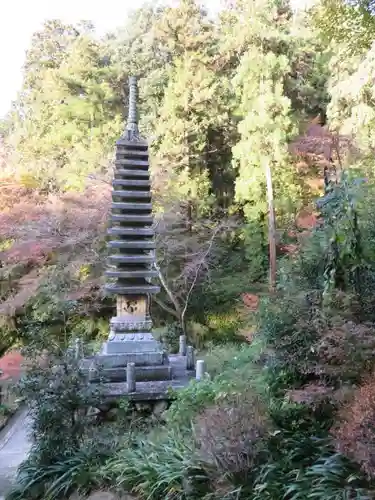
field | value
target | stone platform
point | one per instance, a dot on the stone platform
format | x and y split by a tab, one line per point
146	390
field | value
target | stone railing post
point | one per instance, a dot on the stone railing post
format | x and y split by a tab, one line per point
200	369
190	358
182	348
130	377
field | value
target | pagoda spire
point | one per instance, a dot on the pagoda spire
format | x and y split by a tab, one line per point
132	131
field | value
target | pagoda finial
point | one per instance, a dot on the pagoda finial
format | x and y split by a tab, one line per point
132	131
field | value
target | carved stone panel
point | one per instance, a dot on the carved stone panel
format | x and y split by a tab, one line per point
130	306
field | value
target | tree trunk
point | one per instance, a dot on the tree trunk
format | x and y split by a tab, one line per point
271	229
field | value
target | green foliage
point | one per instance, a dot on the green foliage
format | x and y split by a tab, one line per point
190	401
231	369
57	393
308	468
76	472
170	337
330	477
220	359
338	20
158	469
68	113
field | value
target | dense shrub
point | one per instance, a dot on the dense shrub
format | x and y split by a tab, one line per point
232	369
57	394
354	432
63	454
309	343
231	435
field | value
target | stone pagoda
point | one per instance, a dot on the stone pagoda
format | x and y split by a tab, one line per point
131	353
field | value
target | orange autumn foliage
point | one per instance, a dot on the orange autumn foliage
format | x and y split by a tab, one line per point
37	230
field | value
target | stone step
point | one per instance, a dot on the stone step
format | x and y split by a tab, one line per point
131	259
132	173
132	290
147	245
118	205
132	274
130	231
143	219
132	145
133	162
131	183
131	194
145	391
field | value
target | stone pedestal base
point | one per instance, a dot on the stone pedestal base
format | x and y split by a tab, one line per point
118	373
128	343
149	365
116	358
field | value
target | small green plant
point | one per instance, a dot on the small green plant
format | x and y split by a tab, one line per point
190	401
170	337
300	466
5	410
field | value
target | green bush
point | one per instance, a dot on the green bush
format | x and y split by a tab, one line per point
78	471
232	368
190	401
170	337
330	477
224	327
58	396
301	467
163	469
220	358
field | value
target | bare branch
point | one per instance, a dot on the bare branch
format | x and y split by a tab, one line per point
197	271
165	307
168	291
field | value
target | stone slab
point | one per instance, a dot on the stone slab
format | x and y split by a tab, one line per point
132	161
139	244
142	374
139	273
122	193
117	205
132	182
131	231
141	144
132	259
145	391
132	172
121	326
131	289
118	345
117	360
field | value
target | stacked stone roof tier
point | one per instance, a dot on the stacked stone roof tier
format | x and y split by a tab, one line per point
131	235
